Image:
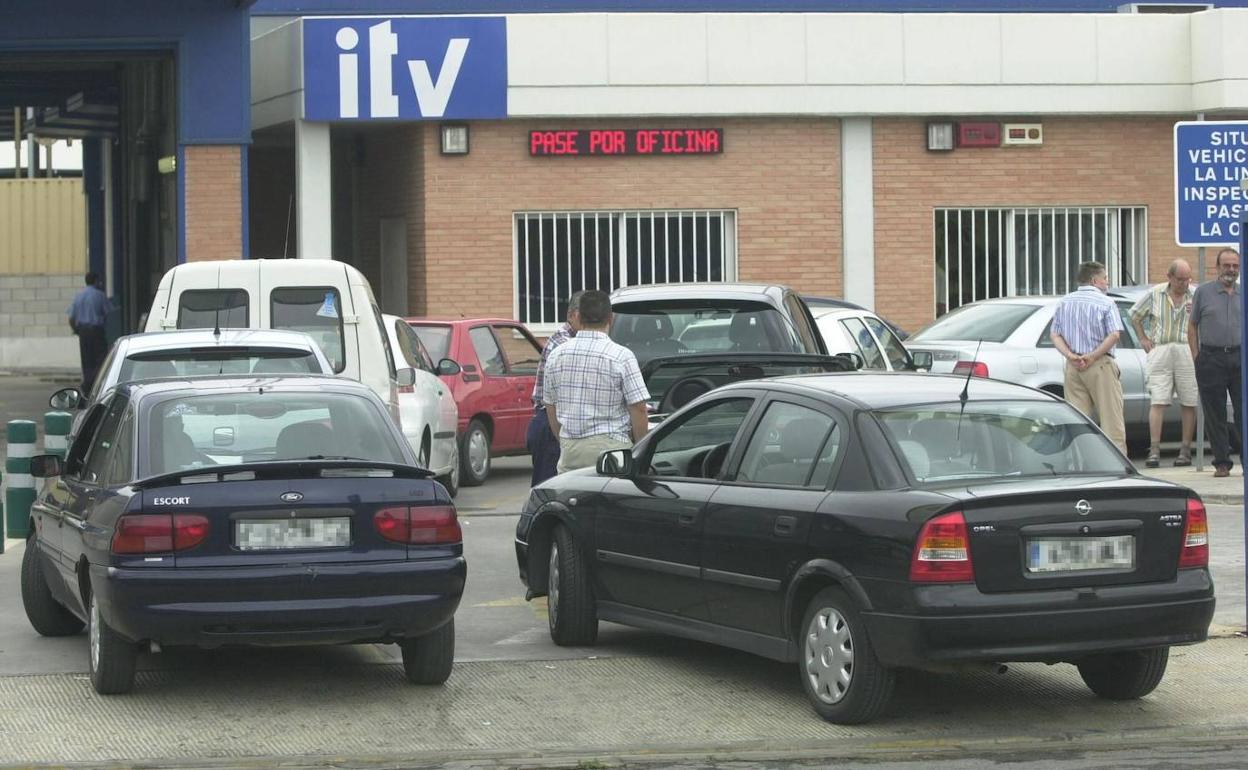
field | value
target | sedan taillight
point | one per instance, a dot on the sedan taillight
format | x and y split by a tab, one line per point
1195	536
974	368
943	552
159	532
419	525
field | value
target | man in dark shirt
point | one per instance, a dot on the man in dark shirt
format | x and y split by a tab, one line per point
1214	334
541	442
87	314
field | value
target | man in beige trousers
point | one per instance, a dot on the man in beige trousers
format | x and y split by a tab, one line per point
1086	327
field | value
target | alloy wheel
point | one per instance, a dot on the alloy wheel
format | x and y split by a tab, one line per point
94	633
552	587
478	452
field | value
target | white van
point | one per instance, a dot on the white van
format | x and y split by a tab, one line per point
328	300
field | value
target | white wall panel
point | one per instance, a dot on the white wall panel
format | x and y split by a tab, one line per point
756	48
1148	48
855	48
551	49
952	48
1028	53
657	49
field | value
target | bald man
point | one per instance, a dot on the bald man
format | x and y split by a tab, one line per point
1161	319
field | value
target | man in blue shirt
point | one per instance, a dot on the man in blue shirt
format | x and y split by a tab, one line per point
87	314
1085	330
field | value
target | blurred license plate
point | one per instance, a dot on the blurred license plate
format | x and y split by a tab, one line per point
271	534
1069	554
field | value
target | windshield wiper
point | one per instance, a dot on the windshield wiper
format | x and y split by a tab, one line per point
332	457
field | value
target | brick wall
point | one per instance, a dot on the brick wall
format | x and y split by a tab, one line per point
34	329
1083	161
783	177
214	194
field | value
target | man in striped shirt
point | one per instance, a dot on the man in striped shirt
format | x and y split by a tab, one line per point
1160	318
593	390
1085	330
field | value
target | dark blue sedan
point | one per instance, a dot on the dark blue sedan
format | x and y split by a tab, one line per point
261	511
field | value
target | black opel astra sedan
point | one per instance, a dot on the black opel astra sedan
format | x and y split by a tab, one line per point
226	511
859	523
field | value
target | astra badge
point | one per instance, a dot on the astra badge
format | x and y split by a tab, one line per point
1083	507
292	497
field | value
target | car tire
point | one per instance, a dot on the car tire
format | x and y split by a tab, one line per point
842	677
451	480
572	613
1124	675
474	454
428	659
110	657
46	615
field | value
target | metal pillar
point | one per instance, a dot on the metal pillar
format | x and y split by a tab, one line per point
313	197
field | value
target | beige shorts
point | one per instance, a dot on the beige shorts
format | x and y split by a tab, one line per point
583	452
1170	371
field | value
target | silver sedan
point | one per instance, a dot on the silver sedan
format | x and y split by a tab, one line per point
1013	338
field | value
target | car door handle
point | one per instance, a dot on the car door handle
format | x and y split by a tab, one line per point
687	518
785	525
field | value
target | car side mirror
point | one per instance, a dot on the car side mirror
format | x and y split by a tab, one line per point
921	360
45	466
405	377
66	398
616	462
448	366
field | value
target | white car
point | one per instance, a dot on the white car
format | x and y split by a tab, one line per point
427	410
198	353
852	330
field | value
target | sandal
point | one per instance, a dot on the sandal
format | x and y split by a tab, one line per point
1153	461
1183	460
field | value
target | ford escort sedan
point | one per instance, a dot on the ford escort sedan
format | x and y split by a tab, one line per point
225	511
856	523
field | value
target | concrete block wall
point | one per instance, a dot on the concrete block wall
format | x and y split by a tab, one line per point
34	329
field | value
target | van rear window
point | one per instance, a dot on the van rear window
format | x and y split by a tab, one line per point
213	309
316	311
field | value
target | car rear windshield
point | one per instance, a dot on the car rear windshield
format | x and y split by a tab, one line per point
993	322
213	309
435	338
200	431
671	327
316	311
991	439
217	360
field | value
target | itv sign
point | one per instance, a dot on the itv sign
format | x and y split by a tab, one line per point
406	68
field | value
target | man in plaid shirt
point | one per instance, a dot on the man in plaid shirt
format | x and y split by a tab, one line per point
542	444
594	394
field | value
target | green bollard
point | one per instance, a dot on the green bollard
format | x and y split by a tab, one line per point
56	427
21	492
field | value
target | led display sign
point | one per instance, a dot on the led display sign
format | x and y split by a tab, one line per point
628	141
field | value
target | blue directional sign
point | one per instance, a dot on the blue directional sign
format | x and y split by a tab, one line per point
1210	171
404	68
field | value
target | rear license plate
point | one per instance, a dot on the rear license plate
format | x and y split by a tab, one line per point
1072	554
278	534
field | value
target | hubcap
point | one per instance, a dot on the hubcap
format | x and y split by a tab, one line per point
829	651
94	632
552	588
478	452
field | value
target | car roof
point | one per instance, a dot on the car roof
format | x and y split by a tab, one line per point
211	385
886	390
759	292
311	272
837	312
829	302
197	338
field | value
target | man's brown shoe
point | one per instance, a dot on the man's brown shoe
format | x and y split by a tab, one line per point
1221	473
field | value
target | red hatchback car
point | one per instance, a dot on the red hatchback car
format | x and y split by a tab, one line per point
498	359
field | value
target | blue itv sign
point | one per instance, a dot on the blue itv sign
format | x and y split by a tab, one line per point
404	68
1210	174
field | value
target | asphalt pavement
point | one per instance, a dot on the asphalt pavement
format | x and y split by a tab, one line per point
516	700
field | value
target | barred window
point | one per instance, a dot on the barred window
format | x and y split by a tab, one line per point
559	253
1007	252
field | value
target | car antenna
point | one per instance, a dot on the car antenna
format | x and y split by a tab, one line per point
965	395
